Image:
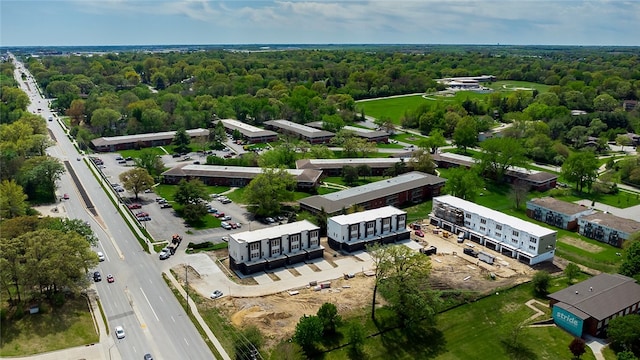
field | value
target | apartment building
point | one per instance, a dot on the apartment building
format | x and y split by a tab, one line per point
355	231
511	236
274	247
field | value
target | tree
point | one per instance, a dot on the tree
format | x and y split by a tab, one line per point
191	192
402	276
624	332
349	174
328	314
150	161
631	262
577	347
500	154
581	168
267	190
39	174
136	180
623	140
364	170
104	119
421	161
283	154
287	350
77	226
194	212
76	112
605	102
181	141
518	192
626	355
308	332
466	134
541	281
12	200
463	183
571	271
434	141
356	338
248	346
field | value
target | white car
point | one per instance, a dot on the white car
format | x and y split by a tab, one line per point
216	294
119	332
101	256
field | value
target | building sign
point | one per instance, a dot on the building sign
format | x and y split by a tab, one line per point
567	321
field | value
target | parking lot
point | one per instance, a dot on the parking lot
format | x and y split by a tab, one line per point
162	222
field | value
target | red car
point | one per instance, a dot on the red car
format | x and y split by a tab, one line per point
65	196
218	215
419	233
142	214
134	206
110	278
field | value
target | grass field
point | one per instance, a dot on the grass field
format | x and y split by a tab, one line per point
509	85
477	330
392	108
51	329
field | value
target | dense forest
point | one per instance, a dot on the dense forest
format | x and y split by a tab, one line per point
137	92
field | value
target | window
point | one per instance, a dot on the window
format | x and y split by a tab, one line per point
533	240
498	227
254	250
313	238
353	231
515	241
295	242
275	247
468	216
498	235
515	233
467	223
483	221
531	247
482	228
386	225
371	228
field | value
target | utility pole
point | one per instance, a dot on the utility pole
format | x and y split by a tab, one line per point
186	280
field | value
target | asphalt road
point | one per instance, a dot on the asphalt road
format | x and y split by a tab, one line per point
139	299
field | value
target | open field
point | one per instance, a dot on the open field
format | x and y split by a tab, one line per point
52	329
392	108
511	85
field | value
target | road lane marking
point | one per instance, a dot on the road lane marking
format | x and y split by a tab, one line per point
148	302
185	340
174	320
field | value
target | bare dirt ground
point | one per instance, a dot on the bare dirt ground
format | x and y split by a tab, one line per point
277	315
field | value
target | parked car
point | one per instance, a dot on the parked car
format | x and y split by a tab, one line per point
142	214
219	215
419	233
96	276
269	220
165	254
216	294
119	158
225	225
65	196
110	278
122	162
134	206
148	357
100	256
431	250
119	332
165	206
470	252
225	218
212	210
226	201
233	225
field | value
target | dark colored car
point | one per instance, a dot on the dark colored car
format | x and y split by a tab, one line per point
148	357
96	276
470	252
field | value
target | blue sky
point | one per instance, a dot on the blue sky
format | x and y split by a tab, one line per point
158	22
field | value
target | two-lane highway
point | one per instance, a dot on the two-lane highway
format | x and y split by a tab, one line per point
138	300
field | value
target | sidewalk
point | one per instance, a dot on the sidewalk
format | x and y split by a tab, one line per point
196	314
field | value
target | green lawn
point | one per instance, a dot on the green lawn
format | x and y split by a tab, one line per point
408	138
509	85
393	108
52	329
477	330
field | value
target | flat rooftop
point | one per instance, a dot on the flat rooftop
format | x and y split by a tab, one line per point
304	130
367	215
246	129
497	216
243	172
165	135
274	232
336	201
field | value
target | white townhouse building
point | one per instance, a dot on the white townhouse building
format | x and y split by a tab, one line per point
511	236
273	247
355	231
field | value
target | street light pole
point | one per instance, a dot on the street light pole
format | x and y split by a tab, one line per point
186	280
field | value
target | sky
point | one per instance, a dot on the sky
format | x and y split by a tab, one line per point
207	22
